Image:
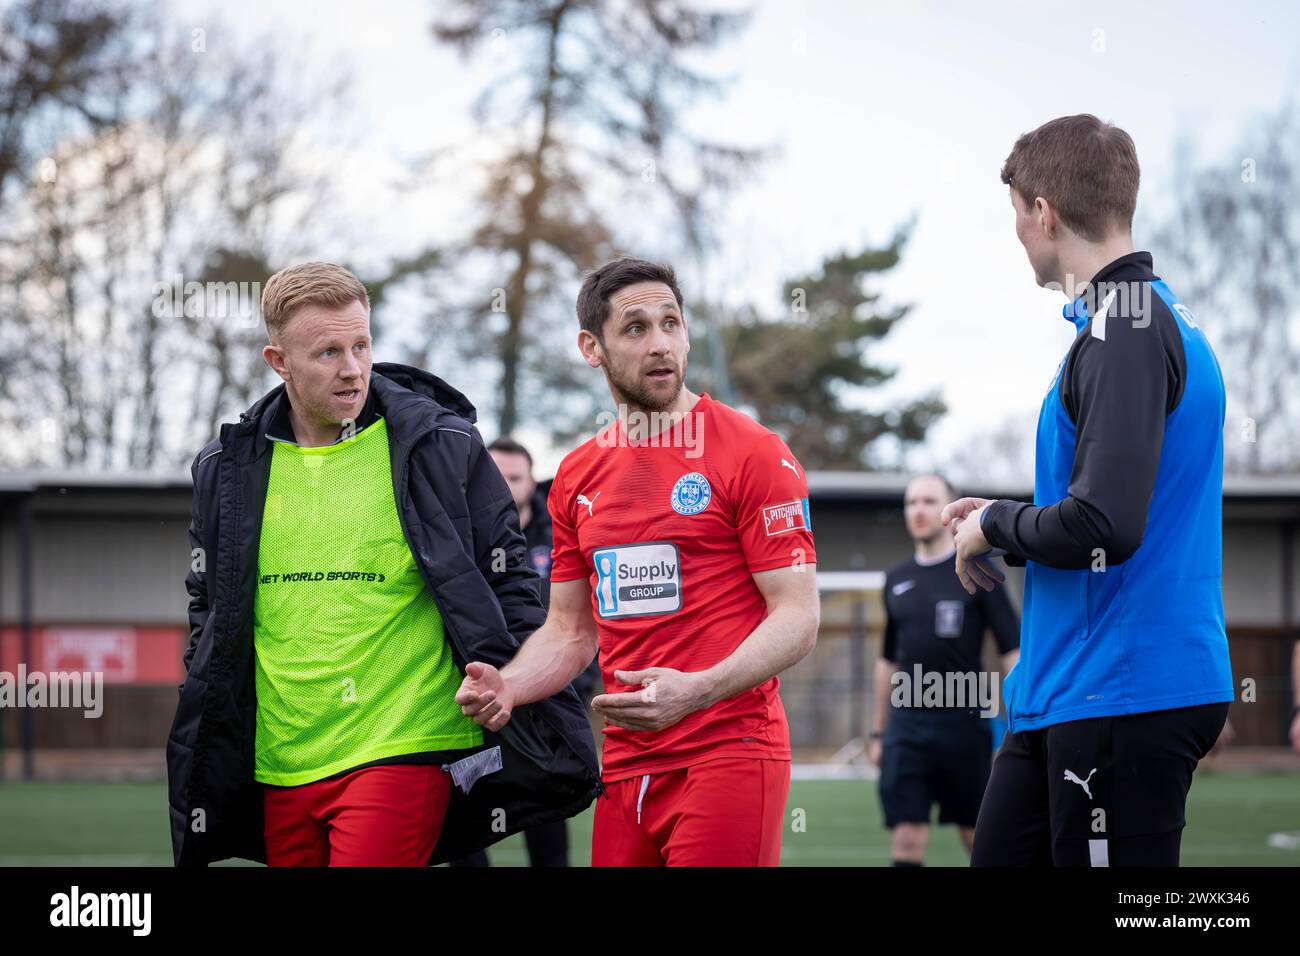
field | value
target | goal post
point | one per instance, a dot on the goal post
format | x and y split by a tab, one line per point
828	694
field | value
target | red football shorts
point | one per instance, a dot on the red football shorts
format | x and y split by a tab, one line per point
724	812
388	815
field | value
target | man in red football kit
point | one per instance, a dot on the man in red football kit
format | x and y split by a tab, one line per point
683	550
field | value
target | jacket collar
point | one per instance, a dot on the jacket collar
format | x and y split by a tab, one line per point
1078	310
410	399
280	423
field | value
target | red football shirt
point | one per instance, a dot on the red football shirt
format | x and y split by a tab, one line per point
669	532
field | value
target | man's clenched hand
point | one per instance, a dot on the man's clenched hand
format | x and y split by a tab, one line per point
486	696
962	517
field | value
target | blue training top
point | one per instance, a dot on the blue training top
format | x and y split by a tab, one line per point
1123	609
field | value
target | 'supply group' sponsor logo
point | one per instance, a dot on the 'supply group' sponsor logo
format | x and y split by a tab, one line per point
786	516
637	579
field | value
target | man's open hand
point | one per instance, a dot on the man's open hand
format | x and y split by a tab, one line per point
486	696
665	698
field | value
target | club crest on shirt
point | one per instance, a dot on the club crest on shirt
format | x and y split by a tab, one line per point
691	494
948	617
1056	376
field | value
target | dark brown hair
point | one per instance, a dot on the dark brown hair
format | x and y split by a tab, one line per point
509	446
593	297
1087	170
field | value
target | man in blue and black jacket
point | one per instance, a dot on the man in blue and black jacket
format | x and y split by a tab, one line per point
1124	680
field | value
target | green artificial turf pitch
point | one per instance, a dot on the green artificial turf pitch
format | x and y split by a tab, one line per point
1230	817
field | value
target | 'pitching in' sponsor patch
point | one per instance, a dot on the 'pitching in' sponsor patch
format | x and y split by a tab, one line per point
787	516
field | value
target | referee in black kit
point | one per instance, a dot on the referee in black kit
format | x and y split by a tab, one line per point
930	747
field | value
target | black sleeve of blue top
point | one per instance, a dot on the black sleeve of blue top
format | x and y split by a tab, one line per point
1120	380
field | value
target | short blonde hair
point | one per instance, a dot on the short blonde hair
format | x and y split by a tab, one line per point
311	283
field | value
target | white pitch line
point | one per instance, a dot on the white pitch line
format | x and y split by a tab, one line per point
832	771
1285	841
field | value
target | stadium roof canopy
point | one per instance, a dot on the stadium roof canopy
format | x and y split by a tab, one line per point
852	485
21	482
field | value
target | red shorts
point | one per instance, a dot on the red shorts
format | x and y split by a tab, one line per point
388	815
724	812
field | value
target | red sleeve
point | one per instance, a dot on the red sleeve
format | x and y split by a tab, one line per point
772	515
567	561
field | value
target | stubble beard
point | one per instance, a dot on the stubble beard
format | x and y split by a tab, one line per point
637	397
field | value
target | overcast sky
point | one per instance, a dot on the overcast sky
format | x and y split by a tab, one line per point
881	111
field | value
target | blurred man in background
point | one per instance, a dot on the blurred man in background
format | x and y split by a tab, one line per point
930	755
548	844
516	466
